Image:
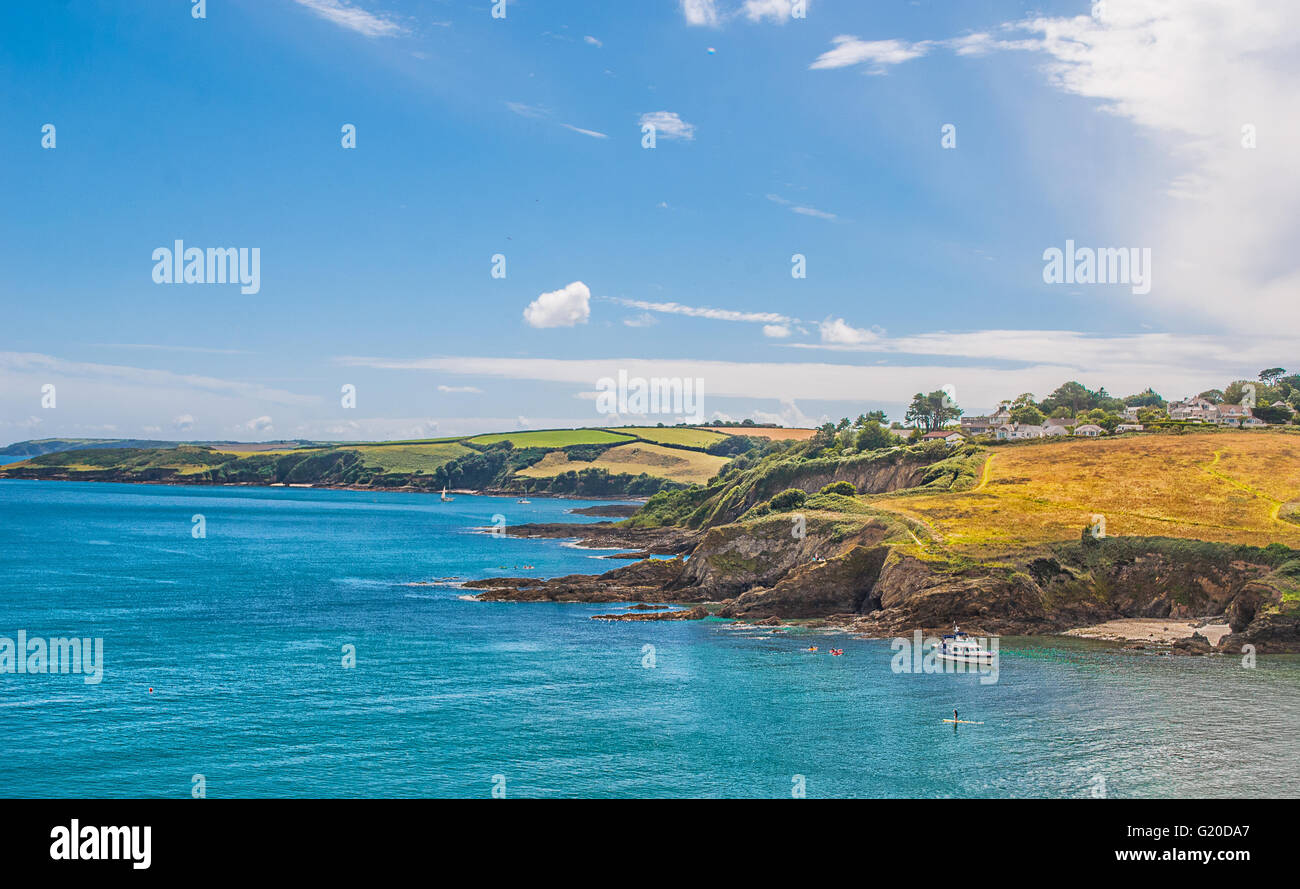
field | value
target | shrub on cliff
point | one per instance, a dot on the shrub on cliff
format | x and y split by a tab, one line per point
791	498
840	487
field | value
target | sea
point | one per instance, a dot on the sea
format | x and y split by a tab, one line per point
297	642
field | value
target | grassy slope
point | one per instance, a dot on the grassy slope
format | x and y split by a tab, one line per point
1156	486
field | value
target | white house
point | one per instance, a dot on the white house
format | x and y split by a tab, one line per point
1018	431
1231	414
1088	430
951	436
982	425
1129	427
1253	423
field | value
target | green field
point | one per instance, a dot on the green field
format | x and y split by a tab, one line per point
552	438
424	457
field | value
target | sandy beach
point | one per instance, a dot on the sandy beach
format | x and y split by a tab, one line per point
1150	629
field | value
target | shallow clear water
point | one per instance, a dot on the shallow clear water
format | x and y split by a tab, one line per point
240	637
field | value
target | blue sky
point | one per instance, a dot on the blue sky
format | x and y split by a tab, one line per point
1120	126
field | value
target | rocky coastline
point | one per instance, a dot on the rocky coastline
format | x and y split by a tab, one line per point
1212	598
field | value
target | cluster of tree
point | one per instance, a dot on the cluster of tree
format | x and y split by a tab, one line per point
867	433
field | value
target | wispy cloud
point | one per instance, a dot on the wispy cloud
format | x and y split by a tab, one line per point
354	18
537	112
1175	365
592	133
672	308
168	348
802	210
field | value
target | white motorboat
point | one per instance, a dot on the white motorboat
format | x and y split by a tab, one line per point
959	648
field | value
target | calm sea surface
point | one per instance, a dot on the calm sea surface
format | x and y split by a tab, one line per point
223	658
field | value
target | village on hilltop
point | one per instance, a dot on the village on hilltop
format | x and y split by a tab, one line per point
1074	410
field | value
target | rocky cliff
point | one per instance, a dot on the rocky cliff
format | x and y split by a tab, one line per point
868	577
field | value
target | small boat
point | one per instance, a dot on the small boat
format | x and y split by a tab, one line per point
958	648
836	652
445	498
524	500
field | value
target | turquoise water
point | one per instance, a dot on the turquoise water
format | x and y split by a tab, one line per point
240	636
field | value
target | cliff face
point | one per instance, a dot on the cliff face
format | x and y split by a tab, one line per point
734	558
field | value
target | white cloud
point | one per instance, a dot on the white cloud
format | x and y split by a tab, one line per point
839	332
1191	74
344	14
701	12
776	331
878	54
459	389
566	307
788	415
183	423
258	425
645	319
593	41
668	125
779	11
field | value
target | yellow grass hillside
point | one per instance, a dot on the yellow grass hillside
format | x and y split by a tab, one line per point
675	464
1240	487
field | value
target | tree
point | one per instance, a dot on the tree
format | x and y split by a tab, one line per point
1072	395
1027	415
932	411
1237	390
1271	413
1146	398
1213	396
873	437
1271	375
